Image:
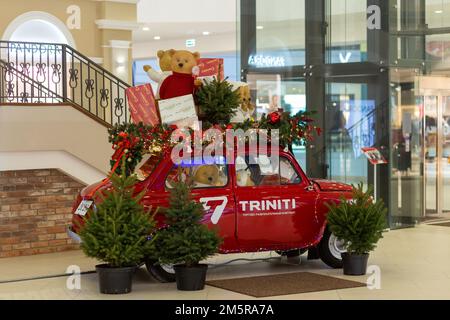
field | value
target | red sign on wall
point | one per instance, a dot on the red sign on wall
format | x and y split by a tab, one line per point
142	103
210	67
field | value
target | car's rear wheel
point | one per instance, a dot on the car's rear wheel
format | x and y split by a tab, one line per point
162	273
330	250
292	253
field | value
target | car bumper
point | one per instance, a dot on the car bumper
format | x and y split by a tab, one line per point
74	236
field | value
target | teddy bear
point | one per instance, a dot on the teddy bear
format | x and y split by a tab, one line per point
244	178
246	100
246	108
182	81
207	176
166	70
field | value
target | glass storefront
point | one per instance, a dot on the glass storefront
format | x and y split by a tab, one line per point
378	73
349	127
280	36
406	163
347	37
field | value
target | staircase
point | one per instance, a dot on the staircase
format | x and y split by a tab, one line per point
52	74
55	106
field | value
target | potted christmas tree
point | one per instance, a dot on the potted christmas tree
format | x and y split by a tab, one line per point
360	223
186	241
117	234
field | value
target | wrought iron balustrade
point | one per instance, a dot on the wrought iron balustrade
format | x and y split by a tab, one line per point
60	74
17	87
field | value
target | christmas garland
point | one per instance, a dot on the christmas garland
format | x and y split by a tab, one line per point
133	141
297	129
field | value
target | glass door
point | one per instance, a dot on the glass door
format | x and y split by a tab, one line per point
431	163
437	156
407	149
436	128
354	106
350	119
445	160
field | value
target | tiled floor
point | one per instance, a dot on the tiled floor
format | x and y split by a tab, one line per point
414	263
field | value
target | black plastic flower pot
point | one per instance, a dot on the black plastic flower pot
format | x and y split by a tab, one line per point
191	278
114	280
355	264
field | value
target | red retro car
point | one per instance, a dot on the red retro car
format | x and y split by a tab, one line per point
255	205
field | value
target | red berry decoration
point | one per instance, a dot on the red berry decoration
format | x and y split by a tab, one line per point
274	117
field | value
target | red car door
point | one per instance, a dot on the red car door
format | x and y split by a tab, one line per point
217	199
274	210
303	227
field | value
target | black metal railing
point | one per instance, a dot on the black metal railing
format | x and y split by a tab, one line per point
65	75
19	88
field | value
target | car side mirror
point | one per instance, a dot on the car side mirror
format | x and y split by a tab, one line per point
309	188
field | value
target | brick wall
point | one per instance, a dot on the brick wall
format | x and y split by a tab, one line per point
35	208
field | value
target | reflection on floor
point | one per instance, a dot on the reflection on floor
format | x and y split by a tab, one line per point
413	263
431	218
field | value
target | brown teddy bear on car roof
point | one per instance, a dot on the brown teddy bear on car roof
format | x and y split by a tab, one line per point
182	81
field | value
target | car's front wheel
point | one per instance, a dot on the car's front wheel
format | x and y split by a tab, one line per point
162	273
330	249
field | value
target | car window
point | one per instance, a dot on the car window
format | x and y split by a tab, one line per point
199	176
288	173
262	172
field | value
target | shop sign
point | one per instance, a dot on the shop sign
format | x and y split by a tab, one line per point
262	61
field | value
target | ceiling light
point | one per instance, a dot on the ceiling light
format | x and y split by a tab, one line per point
259	27
439	11
206	33
145	29
157	38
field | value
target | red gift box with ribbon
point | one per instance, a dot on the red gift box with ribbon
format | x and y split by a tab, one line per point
142	104
209	67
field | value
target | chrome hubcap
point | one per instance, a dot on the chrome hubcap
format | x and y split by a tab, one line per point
336	246
168	268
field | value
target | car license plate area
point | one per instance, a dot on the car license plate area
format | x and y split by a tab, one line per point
84	207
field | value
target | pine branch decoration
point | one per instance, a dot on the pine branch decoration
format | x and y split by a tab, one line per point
217	101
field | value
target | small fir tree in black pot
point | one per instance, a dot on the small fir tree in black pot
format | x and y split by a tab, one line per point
360	223
186	241
117	233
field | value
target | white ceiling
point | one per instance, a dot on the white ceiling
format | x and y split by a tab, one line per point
177	19
185	30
